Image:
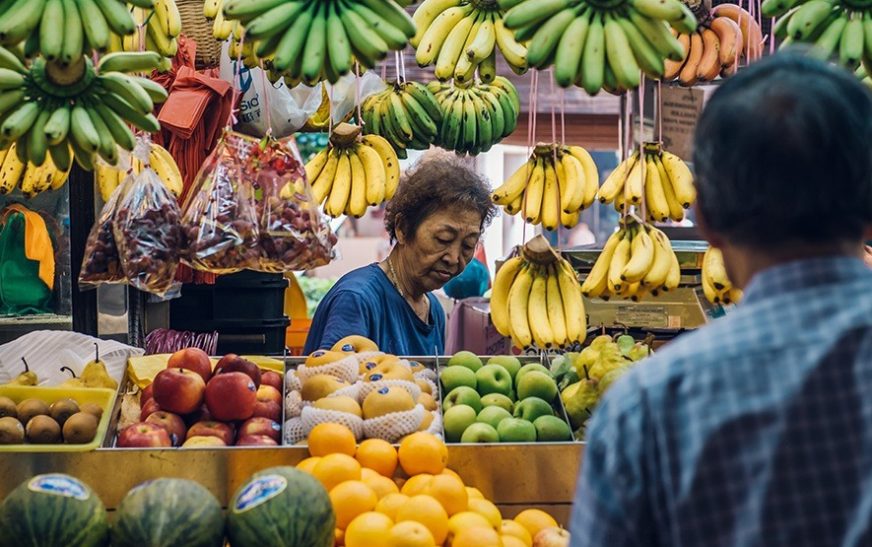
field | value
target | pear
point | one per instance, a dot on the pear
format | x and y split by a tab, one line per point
95	374
73	381
26	378
579	399
609	378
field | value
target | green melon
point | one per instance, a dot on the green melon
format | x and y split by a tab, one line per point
168	512
52	510
281	507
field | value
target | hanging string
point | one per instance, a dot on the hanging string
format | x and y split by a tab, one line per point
772	35
562	116
397	63
642	205
531	135
266	104
357	92
658	113
403	66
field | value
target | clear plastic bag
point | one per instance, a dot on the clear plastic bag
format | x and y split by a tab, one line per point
293	233
102	263
148	230
220	220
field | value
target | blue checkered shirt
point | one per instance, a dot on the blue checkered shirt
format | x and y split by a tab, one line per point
756	430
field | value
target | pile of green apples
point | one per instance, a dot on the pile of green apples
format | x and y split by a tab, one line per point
499	401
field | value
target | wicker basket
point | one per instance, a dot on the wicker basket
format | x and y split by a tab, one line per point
198	28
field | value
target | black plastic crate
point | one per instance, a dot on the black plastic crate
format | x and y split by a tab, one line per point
242	337
245	295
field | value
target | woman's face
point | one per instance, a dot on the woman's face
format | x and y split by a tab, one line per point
441	248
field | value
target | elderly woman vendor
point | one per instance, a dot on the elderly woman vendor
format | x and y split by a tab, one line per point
435	219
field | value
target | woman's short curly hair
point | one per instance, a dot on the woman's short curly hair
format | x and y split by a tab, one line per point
438	181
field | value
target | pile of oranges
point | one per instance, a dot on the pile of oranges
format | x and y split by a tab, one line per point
408	497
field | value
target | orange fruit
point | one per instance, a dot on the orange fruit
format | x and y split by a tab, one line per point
427	511
474	493
451	472
378	455
509	541
349	499
410	534
416	485
382	486
308	465
423	453
512	528
331	438
368	529
450	492
534	520
480	536
488	510
338	537
464	520
336	468
366	473
390	504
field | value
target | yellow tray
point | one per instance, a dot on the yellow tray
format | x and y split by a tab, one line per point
101	396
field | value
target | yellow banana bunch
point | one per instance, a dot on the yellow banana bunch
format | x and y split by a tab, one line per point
552	188
353	173
636	260
156	28
716	286
31	179
110	177
659	177
538	302
461	37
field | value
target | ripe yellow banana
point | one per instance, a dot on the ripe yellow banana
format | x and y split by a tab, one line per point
537	312
389	159
620	258
514	186
572	184
641	257
655	196
550	212
680	177
519	297
499	305
656	275
534	193
374	170
614	183
591	174
323	184
356	204
11	171
596	283
573	305
341	189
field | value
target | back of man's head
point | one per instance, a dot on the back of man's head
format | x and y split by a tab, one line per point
783	155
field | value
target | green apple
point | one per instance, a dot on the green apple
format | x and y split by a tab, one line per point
481	433
516	430
493	379
492	415
456	420
531	408
453	377
530	367
498	399
465	359
537	384
463	395
508	362
552	429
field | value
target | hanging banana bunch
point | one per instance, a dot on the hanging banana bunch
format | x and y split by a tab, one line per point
156	29
353	173
716	286
49	110
636	260
476	115
460	37
406	114
661	178
599	44
110	177
309	40
31	179
552	189
536	299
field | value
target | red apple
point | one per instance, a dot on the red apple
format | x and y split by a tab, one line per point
144	435
179	390
148	409
203	442
256	440
231	396
192	359
146	395
268	409
551	537
173	423
268	393
234	363
261	426
212	429
271	378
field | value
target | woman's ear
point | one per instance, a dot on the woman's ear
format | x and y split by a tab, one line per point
400	230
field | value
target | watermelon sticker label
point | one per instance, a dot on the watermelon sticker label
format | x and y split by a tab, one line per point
59	485
260	490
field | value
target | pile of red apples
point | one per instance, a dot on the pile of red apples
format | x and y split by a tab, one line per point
190	405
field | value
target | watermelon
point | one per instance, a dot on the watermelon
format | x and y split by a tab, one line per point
166	512
281	507
51	510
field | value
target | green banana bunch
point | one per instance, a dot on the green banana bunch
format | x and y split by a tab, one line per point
600	44
310	40
840	30
460	37
406	114
476	115
48	110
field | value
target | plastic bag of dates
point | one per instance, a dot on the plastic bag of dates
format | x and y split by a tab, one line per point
293	233
219	219
148	231
102	263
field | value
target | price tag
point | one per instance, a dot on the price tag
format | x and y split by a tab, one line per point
681	109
